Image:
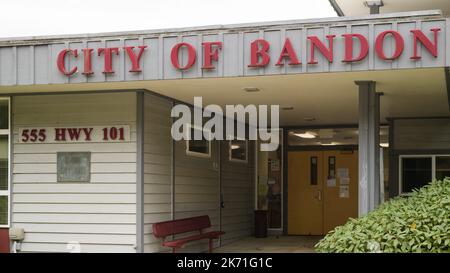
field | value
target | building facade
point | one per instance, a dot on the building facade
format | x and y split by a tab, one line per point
88	162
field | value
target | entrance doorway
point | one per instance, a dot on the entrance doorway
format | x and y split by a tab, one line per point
323	190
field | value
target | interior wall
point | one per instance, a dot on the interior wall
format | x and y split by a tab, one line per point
238	190
197	189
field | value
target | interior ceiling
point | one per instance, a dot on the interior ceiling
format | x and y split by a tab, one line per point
357	7
332	136
327	98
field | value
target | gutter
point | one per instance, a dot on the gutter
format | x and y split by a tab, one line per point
336	8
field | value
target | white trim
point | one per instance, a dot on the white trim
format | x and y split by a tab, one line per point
433	168
256	172
7	193
196	154
236	159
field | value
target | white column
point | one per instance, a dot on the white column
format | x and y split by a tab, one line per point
368	147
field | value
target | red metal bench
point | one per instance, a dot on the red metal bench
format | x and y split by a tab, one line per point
200	223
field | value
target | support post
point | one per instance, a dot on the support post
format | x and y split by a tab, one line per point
368	147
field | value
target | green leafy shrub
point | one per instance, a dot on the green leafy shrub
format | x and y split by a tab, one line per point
418	223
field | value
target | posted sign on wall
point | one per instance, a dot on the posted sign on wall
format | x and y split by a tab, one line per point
73	134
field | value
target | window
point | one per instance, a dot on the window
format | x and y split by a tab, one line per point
201	148
238	151
313	170
74	167
442	167
4	162
417	171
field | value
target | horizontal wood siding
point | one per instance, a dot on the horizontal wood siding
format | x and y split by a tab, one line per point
197	190
422	134
238	195
157	167
100	215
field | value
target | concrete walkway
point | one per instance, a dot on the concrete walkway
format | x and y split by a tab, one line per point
272	244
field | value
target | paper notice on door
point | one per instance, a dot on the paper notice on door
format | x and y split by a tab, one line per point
331	182
344	192
343	173
345	181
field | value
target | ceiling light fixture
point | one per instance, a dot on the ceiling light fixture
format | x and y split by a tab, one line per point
287	108
330	144
307	135
251	89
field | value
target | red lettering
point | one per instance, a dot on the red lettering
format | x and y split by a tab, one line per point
87	52
133	58
74	133
122	133
349	47
288	52
108	51
192	55
61	61
25	135
60	134
33	135
259	56
419	36
42	135
210	54
105	134
317	43
88	132
399	45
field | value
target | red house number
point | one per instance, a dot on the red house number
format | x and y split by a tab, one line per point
33	135
113	133
62	134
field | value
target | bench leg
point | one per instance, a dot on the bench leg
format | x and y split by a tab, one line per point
210	245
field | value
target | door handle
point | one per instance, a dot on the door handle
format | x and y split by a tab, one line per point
319	195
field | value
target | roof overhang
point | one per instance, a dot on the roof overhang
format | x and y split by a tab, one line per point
359	7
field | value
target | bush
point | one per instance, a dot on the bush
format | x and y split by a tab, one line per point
418	223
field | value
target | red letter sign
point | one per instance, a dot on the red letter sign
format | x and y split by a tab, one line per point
87	61
423	39
349	47
327	52
288	52
399	45
192	55
135	60
209	54
108	57
61	61
257	53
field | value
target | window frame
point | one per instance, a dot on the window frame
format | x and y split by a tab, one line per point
230	154
7	193
400	168
197	154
